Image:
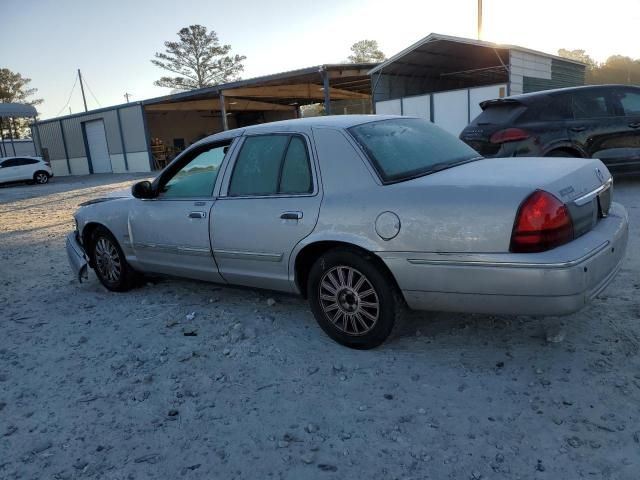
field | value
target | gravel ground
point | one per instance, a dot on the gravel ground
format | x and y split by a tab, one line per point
181	378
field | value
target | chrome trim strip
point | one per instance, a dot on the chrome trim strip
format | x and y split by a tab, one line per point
242	255
174	249
587	197
194	251
481	263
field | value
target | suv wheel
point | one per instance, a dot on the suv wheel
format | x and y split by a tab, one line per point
41	177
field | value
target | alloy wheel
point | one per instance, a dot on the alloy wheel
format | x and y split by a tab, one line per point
42	178
349	300
107	260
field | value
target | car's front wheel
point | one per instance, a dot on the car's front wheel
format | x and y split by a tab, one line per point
109	262
352	298
41	178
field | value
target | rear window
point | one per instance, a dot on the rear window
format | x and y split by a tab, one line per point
499	114
401	149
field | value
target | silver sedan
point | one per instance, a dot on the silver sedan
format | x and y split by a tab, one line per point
364	215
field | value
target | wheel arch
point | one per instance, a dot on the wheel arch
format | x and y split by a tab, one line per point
311	251
86	234
568	148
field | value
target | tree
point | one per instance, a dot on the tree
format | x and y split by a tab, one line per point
366	51
14	88
578	55
198	59
616	69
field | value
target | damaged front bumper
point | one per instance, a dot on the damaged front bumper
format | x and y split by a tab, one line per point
77	257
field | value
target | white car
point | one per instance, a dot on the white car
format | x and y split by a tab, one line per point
25	169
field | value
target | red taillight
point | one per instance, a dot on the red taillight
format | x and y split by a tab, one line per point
542	223
508	135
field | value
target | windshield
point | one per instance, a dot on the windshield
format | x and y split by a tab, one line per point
404	148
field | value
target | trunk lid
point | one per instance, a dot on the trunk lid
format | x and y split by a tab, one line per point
472	207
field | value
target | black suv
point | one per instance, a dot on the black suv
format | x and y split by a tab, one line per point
601	121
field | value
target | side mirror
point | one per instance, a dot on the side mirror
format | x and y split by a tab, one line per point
142	190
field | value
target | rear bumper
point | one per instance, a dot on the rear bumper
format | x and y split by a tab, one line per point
77	257
557	282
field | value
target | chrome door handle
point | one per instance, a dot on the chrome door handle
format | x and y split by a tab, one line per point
578	129
291	216
197	215
635	125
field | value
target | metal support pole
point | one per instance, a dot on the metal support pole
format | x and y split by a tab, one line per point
327	92
84	99
223	112
3	148
37	142
479	19
124	148
11	136
66	150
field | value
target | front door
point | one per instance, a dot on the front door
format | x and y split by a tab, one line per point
170	233
270	201
626	158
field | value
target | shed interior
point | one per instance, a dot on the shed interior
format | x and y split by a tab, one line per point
176	121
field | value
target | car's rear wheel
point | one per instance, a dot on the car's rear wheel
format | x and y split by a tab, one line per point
41	177
109	262
352	298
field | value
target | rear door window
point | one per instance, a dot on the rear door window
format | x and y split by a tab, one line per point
550	108
276	164
592	104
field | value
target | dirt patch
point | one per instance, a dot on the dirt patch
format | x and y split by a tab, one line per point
182	378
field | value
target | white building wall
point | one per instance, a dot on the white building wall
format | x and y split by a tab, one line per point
419	106
389	107
452	110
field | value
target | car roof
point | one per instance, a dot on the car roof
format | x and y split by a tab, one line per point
300	124
20	156
532	95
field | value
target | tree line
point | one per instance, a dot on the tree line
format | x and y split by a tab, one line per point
615	69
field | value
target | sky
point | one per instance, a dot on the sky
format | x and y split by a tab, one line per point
112	42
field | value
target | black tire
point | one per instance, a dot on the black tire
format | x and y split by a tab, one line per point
40	177
109	262
562	153
349	298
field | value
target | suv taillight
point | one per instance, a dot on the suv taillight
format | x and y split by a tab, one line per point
542	223
509	135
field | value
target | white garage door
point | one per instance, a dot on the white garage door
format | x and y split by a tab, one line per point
98	150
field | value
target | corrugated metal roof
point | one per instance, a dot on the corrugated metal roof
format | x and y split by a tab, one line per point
17	110
434	37
272	79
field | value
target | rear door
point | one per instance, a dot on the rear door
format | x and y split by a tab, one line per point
596	128
270	201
